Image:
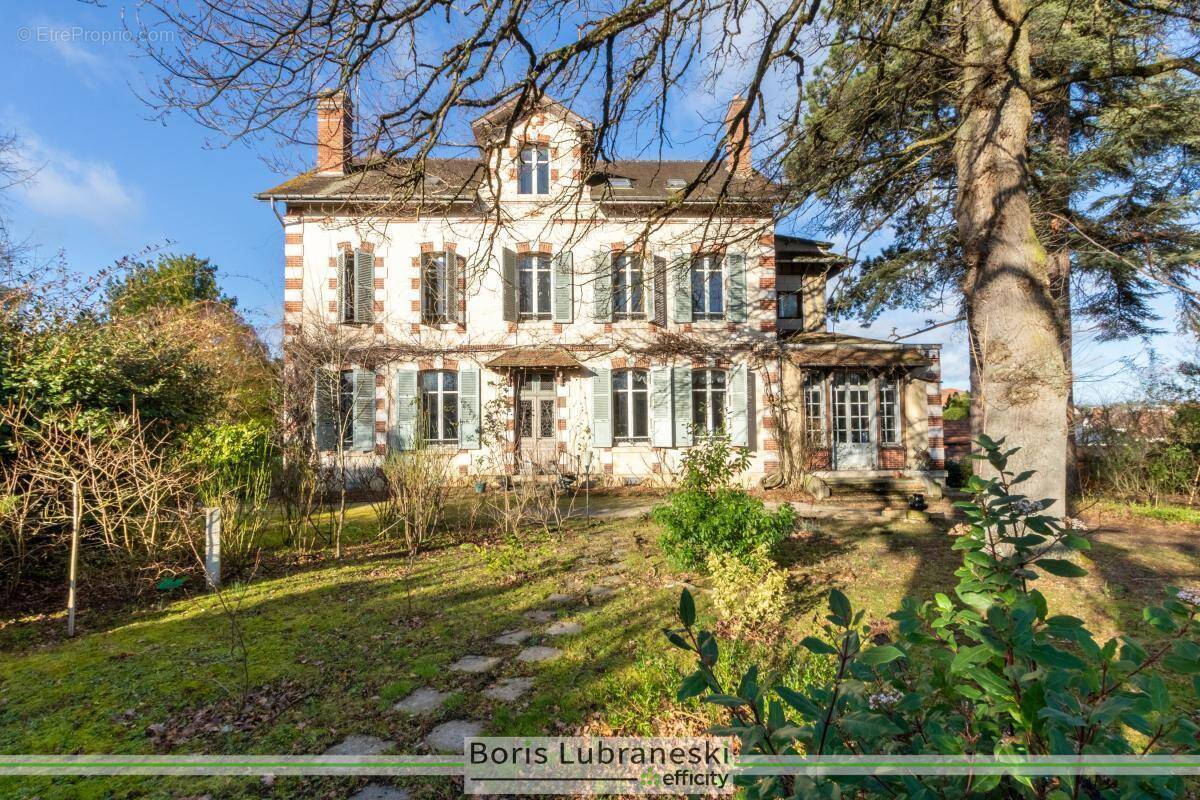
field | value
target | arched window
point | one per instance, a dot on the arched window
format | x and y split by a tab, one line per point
439	405
534	173
631	405
708	400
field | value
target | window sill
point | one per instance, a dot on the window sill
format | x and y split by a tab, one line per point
631	442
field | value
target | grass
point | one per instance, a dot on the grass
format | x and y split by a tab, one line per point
1183	515
333	645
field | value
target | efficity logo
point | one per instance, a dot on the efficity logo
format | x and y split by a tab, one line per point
598	765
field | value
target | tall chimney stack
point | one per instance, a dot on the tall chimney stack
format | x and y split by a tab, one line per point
737	140
335	128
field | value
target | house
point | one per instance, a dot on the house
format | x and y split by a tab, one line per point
528	308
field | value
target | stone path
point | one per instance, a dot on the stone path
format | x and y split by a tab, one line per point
422	701
537	654
564	628
509	689
356	745
513	637
475	664
448	737
377	791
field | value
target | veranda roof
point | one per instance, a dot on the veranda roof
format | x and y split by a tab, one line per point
535	357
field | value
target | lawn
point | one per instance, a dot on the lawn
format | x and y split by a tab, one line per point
333	645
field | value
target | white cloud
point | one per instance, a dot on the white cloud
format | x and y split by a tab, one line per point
62	184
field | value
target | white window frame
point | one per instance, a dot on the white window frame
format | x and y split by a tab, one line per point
627	265
889	410
535	163
538	266
814	387
711	407
435	288
707	267
627	396
438	421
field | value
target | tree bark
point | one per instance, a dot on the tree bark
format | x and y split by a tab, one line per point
1020	389
1058	256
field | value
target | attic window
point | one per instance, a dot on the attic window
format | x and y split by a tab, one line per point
618	182
676	184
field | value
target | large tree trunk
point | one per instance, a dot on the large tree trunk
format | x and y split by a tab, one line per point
1020	389
1058	262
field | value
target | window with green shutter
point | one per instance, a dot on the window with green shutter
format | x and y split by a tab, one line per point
468	409
602	432
737	416
508	288
602	287
662	427
356	287
735	264
362	411
405	410
564	287
681	388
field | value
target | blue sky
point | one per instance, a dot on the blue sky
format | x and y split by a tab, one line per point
112	179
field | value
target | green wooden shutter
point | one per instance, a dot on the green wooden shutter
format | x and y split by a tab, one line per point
681	380
468	409
602	432
738	412
564	287
662	425
683	288
508	273
364	410
325	408
658	291
364	286
735	304
405	410
343	313
602	287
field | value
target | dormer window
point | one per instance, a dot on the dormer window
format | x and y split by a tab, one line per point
618	182
534	174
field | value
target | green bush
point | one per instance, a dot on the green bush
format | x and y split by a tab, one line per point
957	473
987	671
750	599
709	515
232	457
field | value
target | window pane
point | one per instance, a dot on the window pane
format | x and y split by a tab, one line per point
715	300
698	296
718	411
641	415
543	176
789	305
620	380
700	409
546	419
525	417
450	381
525	291
620	286
429	407
525	184
717	378
620	411
699	379
543	291
429	381
641	379
450	415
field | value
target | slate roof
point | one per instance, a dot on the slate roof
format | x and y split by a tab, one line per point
458	179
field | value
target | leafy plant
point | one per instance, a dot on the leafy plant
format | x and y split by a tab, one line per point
710	515
989	671
750	599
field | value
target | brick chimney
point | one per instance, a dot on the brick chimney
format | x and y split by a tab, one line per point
737	140
335	127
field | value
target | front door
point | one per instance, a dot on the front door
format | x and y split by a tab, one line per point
537	439
853	421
